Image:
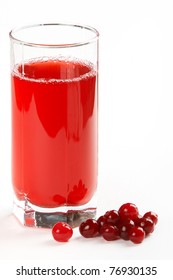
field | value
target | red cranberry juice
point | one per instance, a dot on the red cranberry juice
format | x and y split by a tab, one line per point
54	132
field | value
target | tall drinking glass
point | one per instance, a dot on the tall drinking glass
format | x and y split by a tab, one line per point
54	69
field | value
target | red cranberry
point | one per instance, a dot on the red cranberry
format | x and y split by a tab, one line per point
152	216
136	220
110	232
62	232
124	226
146	224
89	228
128	210
112	217
136	235
101	221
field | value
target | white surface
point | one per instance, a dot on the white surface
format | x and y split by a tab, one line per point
135	124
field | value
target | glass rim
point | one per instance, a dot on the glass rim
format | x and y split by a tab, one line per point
54	45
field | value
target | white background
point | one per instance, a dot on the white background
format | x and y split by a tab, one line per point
135	124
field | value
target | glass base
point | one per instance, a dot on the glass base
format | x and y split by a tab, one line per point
34	216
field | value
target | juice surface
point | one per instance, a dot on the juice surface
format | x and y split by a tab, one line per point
54	132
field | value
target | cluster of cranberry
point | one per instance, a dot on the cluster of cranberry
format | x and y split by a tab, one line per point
126	223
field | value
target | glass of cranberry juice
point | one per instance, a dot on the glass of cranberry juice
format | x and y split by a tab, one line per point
54	69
